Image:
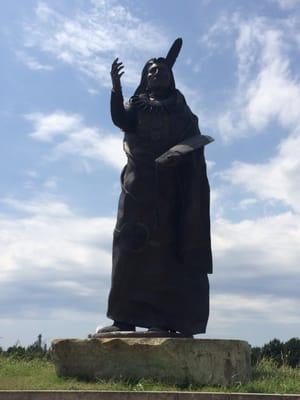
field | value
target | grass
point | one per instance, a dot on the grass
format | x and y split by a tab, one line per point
40	375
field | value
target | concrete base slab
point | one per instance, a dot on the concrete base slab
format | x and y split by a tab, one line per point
180	361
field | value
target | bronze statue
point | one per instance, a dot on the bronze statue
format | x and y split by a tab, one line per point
161	245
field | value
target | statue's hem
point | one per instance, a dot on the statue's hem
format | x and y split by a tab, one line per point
142	324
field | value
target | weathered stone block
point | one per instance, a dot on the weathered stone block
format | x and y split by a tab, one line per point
196	361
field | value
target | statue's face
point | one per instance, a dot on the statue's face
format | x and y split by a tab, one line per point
158	76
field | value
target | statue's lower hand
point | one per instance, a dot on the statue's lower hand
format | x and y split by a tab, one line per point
116	74
169	159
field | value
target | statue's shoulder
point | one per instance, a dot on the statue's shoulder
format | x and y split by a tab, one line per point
183	107
180	99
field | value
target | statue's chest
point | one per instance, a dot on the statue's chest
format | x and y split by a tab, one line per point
153	126
161	128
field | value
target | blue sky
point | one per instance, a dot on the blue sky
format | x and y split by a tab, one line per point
61	156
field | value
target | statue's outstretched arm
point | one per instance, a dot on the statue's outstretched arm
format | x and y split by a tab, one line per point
120	116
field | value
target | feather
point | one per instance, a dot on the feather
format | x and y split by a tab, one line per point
173	52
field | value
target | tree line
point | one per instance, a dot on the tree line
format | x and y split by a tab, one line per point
36	350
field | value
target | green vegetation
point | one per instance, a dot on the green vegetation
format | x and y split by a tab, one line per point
282	353
269	378
39	374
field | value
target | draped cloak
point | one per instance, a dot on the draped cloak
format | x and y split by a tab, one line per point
161	244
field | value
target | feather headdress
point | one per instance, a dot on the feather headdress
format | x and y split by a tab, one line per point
173	52
169	60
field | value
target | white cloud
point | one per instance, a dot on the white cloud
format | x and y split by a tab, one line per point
39	206
91	39
246	203
271	94
93	92
228	309
210	164
52	259
32	174
256	271
267	91
265	246
274	94
51	183
32	63
54	124
69	136
217	203
288	4
223	26
276	179
267	88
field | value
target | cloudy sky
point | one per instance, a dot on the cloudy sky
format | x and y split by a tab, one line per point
61	156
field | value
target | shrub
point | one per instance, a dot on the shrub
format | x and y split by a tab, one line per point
292	352
278	352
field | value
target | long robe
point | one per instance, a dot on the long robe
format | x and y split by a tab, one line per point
161	245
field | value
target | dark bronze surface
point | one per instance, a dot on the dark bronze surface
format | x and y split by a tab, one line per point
161	245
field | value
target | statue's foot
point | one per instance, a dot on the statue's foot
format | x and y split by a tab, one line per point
165	330
117	326
171	332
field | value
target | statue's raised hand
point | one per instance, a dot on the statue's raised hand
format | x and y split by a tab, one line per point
116	73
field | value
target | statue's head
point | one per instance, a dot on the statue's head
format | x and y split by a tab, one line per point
157	72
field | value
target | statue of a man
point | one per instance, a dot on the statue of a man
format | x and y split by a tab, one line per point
161	245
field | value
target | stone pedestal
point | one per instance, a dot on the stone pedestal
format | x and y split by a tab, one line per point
180	361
